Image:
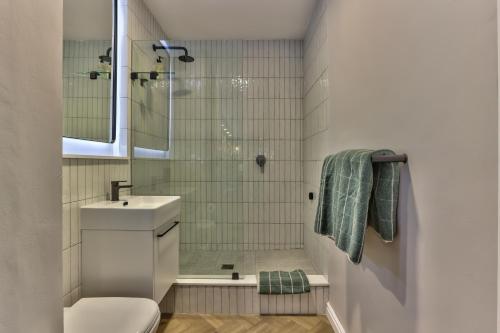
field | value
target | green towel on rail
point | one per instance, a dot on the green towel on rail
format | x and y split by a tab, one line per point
353	193
279	283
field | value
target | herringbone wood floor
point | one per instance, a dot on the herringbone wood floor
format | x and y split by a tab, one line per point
179	323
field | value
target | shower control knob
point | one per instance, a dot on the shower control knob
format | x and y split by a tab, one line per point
261	161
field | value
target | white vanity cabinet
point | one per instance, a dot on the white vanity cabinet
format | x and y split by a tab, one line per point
131	259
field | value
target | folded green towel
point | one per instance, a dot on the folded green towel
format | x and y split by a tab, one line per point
278	282
353	193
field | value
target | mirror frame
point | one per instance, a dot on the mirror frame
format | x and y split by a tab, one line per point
114	72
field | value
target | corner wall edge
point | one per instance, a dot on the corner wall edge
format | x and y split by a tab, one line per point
334	319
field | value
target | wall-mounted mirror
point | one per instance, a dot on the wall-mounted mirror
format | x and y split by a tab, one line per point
89	69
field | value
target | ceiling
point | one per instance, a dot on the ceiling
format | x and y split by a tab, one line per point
88	19
233	19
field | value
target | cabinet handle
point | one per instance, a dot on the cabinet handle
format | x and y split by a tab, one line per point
164	233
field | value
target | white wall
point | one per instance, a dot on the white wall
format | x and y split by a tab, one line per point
30	166
419	77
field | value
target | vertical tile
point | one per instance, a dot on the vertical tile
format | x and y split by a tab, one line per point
88	179
304	303
320	300
66	226
200	302
273	300
288	303
264	304
209	299
233	300
248	297
185	299
170	301
280	304
296	301
81	178
241	297
313	304
178	299
225	296
66	271
66	181
73	174
75	223
255	301
75	267
193	299
218	300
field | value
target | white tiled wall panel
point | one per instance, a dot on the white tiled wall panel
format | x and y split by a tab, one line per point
237	100
314	128
84	181
87	103
241	300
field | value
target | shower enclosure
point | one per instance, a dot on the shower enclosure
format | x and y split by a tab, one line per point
224	132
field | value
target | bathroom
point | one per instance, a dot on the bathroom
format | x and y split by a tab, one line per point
163	160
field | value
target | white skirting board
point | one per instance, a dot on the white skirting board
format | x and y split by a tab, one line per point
334	319
241	300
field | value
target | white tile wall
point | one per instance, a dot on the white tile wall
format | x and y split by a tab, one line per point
314	127
86	102
241	300
84	181
237	100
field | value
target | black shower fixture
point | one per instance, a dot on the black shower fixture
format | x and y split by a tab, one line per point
94	75
153	75
184	58
106	57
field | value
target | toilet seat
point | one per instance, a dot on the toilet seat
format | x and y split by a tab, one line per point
112	314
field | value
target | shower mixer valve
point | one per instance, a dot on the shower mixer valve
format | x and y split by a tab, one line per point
261	161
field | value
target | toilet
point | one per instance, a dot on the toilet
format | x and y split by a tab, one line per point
112	315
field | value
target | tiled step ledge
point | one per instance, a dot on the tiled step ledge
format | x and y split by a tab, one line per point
246	280
218	296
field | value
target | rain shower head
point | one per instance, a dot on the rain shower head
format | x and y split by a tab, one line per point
184	58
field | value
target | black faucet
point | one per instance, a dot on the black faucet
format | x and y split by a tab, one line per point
115	189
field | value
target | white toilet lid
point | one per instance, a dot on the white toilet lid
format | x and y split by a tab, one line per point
112	314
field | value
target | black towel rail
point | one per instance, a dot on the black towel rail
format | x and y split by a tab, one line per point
403	158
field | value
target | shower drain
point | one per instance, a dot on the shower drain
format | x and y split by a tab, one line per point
227	266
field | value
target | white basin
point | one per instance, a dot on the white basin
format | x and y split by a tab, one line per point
141	213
